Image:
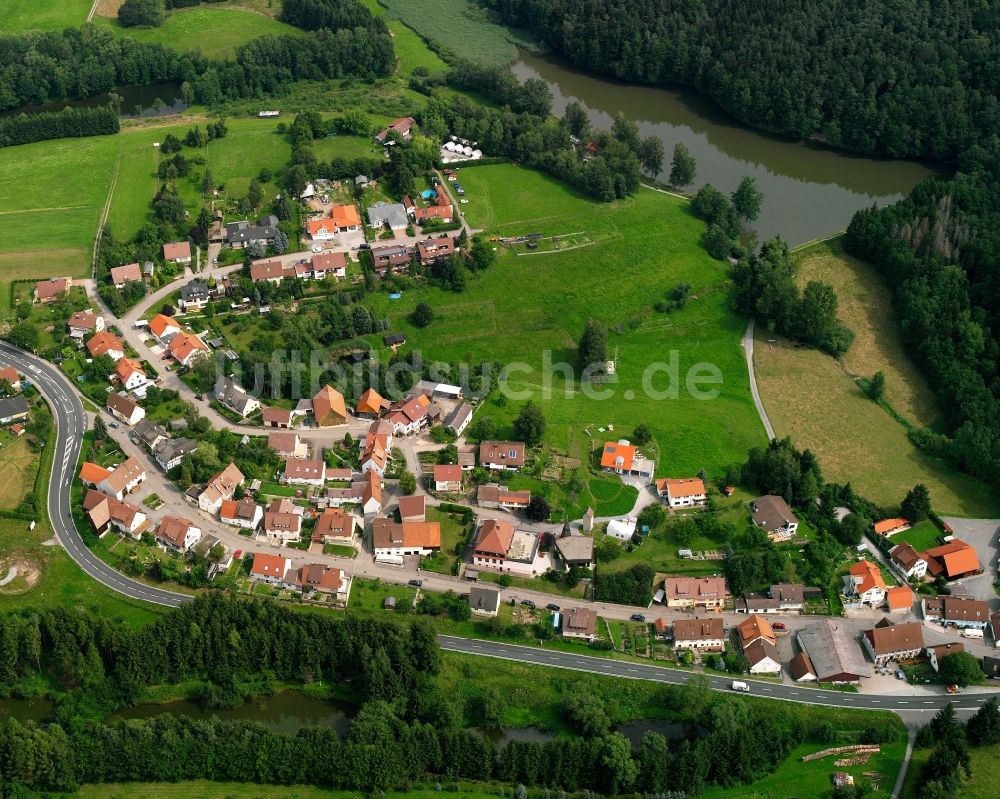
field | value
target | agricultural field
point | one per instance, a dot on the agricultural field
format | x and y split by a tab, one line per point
527	309
43	15
18	468
214	30
810	398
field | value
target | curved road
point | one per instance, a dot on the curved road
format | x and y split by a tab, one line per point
71	424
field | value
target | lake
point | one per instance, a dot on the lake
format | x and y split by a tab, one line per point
286	712
809	191
155	100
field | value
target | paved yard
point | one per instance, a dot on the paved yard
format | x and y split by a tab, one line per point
982	534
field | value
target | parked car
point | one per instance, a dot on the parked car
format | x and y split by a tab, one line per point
552	606
900	675
114	425
527	603
637	617
952	689
778	625
416	583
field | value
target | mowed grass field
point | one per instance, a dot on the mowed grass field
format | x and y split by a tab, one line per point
866	308
214	30
18	467
525	309
43	15
809	397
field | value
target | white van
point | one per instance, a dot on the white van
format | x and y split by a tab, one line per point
971	632
740	686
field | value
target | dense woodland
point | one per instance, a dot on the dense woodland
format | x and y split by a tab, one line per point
907	78
938	251
65	124
408	727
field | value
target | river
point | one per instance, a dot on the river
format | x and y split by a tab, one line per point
155	100
809	191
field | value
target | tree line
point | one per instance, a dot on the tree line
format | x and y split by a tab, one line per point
910	78
936	250
68	123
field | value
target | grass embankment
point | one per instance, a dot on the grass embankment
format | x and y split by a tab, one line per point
814	399
215	30
26	15
981	785
526	305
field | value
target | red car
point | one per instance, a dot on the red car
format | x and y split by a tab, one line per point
778	625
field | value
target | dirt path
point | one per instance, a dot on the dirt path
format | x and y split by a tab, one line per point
107	207
748	352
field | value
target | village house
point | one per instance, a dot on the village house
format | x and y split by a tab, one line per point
52	290
329	408
129	273
267	272
702	634
382	213
863	582
899	599
332	264
83	323
171	451
282	522
124	409
936	653
186	347
163	328
334	526
242	233
9	373
105	343
801	668
91	474
148	434
220	488
287	444
758	644
957	611
889	642
484	601
177	252
411	415
13	409
685	492
501	547
501	455
459	418
624	459
430	251
908	562
694	592
579	624
773	514
320	579
105	511
131	375
889	527
243	513
300	471
391	258
177	534
494	495
233	396
194	296
345	218
576	550
371	493
123	480
398	539
277	417
833	653
371	405
269	569
955	560
447	478
400	129
413	509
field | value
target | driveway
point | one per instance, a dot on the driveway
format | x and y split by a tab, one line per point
982	534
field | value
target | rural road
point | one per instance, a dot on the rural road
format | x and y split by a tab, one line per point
748	352
71	424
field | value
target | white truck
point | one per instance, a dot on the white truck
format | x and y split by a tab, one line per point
737	685
972	632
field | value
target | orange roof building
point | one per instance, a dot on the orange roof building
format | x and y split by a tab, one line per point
345	217
899	598
371	403
161	325
617	457
105	343
405	538
864	580
92	473
184	346
890	526
755	628
329	407
955	559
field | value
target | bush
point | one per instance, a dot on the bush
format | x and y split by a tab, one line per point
148	13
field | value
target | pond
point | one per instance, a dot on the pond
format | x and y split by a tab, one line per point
286	712
146	102
810	191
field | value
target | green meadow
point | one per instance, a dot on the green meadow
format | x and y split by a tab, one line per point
216	31
42	15
530	308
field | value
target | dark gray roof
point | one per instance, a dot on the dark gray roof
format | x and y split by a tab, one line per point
13	406
195	290
243	232
833	650
381	213
394	338
458	416
172	448
482	598
148	432
771	512
232	395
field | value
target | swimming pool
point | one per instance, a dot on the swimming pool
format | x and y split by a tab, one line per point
428	193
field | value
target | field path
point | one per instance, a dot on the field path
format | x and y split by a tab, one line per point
104	211
93	10
748	351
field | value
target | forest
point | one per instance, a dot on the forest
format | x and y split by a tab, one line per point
68	123
938	250
913	78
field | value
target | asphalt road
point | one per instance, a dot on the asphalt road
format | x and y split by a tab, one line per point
71	424
767	690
